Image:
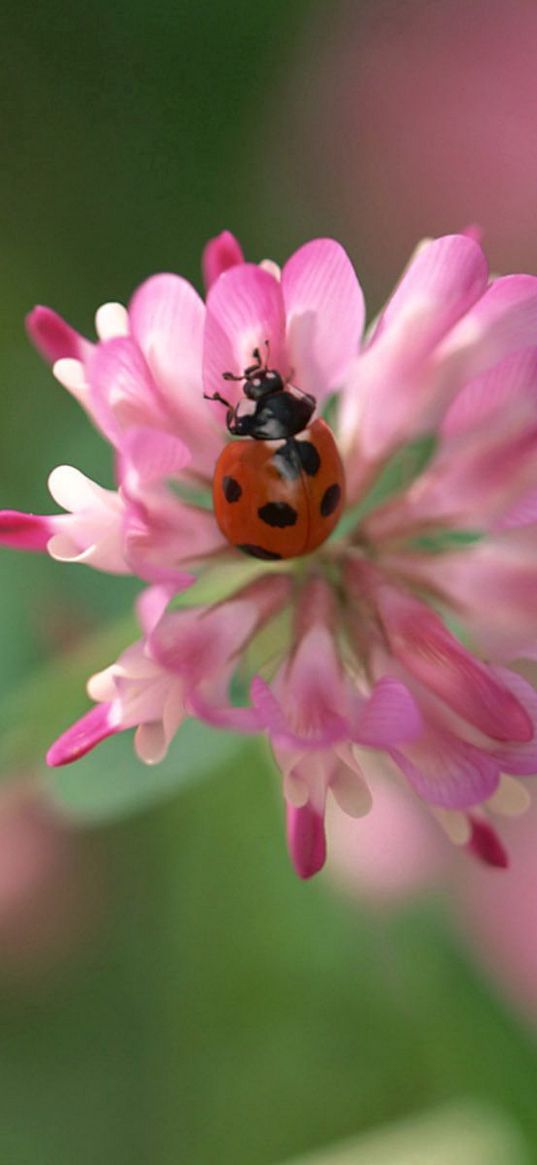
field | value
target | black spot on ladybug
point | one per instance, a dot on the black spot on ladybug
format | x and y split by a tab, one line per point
309	457
232	489
258	551
278	514
330	500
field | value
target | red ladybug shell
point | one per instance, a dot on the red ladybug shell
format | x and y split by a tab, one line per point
279	499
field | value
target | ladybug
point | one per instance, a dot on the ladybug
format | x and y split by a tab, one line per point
278	492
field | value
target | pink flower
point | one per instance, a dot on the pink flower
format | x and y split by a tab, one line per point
379	644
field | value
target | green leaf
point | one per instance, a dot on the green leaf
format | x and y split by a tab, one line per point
444	540
468	1133
112	783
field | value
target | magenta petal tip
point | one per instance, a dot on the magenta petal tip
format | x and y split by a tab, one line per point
306	839
82	736
486	845
22	531
52	336
220	253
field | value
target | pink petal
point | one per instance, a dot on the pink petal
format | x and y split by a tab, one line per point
394	390
244	310
510	384
424	646
151	605
472	482
448	772
347	784
390	855
167	316
222	252
122	391
198	643
520	759
90	730
306	840
270	712
163	534
503	321
53	337
325	315
223	715
148	455
504	569
167	320
25	531
486	844
523	512
390	716
442	281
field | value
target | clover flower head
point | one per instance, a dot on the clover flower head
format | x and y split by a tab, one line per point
401	640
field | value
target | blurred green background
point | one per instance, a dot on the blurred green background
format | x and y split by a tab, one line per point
169	991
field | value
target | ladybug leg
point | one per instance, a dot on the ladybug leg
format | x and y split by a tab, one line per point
220	399
231	376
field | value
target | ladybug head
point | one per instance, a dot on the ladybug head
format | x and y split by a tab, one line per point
258	379
262	383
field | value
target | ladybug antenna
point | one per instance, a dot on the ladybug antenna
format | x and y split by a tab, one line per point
258	366
252	368
221	400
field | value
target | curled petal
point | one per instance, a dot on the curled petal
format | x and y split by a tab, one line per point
93	532
348	786
111	320
70	373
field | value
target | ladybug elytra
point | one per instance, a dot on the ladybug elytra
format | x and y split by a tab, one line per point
278	492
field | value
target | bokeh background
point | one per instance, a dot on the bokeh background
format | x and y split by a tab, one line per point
169	992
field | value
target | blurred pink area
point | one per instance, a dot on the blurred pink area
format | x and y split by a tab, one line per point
396	854
497	911
392	853
405	120
50	885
